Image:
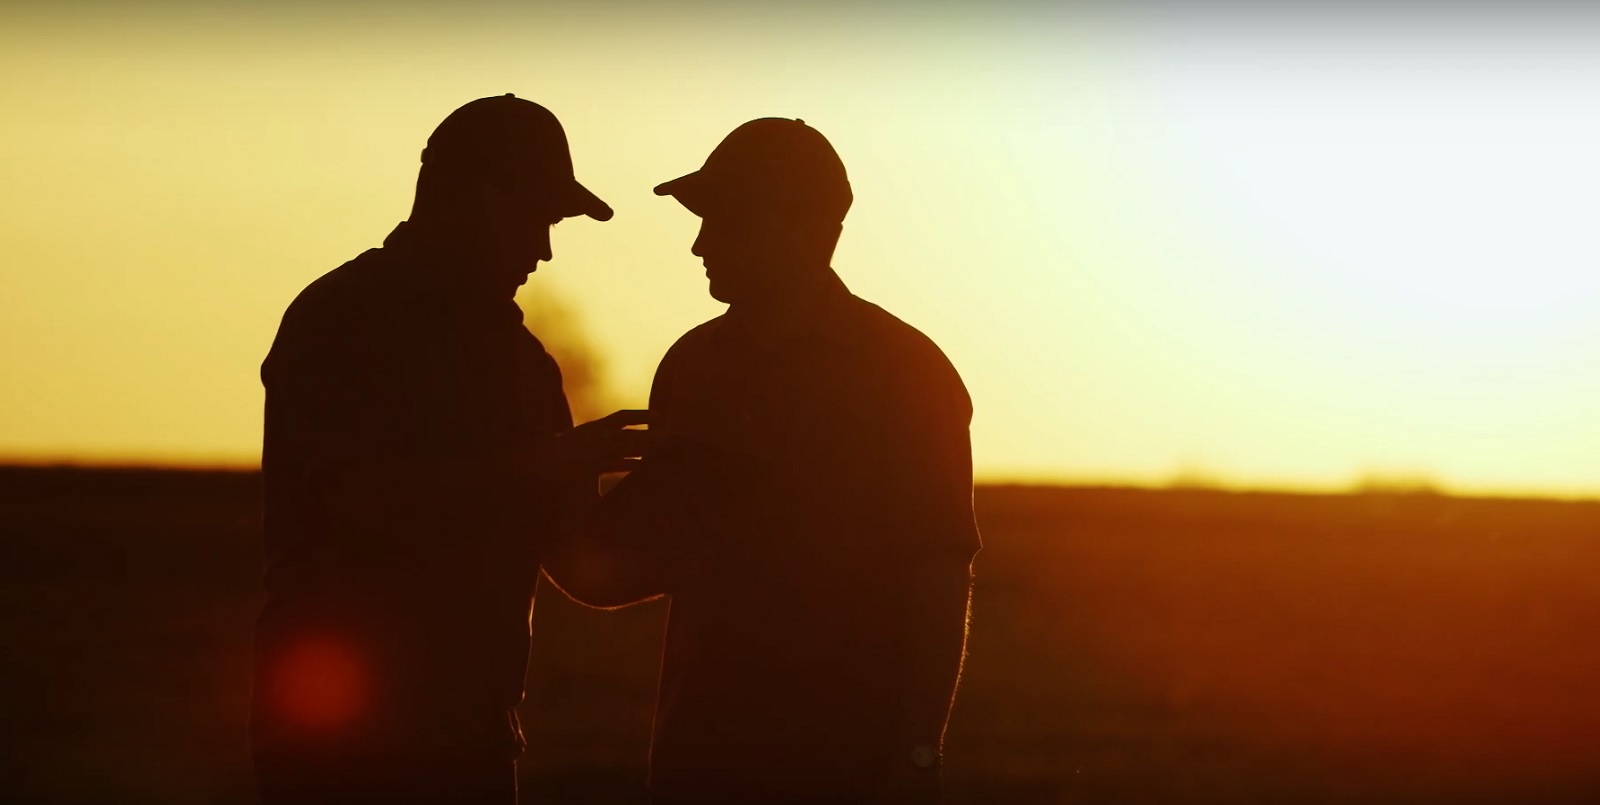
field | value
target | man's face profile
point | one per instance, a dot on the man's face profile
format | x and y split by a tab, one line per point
516	217
724	249
749	255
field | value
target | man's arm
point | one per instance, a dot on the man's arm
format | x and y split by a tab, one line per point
332	393
598	558
647	534
651	532
338	387
383	495
935	600
927	514
378	492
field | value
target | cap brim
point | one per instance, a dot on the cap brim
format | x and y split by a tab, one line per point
578	200
689	190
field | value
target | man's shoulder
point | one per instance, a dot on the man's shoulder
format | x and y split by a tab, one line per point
667	387
700	334
337	296
335	312
692	344
892	346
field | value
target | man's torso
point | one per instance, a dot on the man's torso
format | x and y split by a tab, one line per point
376	365
782	653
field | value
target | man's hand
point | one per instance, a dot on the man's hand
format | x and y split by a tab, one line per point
607	444
907	784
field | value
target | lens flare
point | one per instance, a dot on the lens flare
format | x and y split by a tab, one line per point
321	684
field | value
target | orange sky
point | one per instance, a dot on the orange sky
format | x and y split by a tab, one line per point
1292	252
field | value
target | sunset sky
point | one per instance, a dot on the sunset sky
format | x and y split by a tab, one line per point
1267	247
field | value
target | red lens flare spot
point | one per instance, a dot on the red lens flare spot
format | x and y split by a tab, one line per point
321	684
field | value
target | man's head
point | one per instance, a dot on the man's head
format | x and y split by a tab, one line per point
772	198
496	175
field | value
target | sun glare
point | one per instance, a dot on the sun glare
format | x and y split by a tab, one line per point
1288	257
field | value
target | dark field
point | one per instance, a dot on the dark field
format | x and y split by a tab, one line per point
1128	647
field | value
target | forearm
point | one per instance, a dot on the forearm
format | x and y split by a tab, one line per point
382	496
597	575
933	642
593	559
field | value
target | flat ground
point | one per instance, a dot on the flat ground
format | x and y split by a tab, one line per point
1128	647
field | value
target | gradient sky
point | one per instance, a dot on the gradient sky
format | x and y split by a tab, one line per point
1270	247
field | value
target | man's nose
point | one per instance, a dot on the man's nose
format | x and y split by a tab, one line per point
542	251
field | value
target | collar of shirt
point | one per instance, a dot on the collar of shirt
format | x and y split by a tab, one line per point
809	312
429	269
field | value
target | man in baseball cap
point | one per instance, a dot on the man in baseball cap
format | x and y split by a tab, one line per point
417	445
808	507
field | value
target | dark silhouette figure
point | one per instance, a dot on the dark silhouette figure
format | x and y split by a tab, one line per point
807	506
418	452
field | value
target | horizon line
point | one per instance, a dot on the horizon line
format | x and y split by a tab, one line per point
1177	483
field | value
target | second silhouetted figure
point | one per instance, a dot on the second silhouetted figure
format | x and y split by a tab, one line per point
808	508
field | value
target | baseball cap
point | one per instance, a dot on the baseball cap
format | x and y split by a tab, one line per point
506	131
771	164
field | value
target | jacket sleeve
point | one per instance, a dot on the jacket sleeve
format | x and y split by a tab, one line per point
332	389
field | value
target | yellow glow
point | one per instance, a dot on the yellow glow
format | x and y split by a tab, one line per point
1142	258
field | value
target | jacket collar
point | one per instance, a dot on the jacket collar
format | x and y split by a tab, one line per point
811	311
431	269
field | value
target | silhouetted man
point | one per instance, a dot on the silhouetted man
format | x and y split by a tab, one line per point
417	439
808	507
